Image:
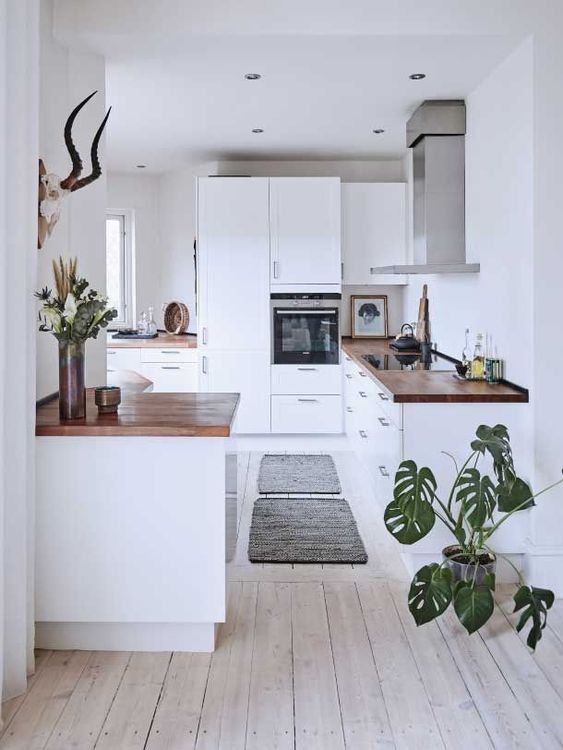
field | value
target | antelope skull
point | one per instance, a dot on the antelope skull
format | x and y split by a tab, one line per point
53	189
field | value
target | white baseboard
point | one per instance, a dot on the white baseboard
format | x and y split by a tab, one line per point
313	443
125	636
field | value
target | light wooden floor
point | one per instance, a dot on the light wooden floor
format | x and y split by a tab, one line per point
310	657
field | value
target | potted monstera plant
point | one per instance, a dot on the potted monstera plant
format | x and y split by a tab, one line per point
475	508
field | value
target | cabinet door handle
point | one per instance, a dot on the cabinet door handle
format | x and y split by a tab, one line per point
383	422
363	433
383	471
342	270
169	351
204	335
110	370
204	365
363	394
109	352
170	367
383	397
348	376
307	369
308	400
276	269
349	409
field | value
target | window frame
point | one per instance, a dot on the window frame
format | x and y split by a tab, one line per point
126	218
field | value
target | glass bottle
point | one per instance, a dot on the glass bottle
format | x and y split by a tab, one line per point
478	362
151	325
142	323
465	353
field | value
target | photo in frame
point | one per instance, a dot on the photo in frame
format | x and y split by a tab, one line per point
369	316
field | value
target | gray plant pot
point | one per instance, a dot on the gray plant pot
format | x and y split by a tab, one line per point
463	571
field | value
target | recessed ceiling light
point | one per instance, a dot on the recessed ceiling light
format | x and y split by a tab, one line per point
417	76
378	131
257	130
141	166
253	76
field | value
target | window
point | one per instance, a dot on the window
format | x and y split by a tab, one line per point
119	265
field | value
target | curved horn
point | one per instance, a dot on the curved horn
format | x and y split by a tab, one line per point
96	168
76	171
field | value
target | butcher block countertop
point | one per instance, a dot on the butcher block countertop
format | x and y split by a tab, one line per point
162	341
146	415
428	386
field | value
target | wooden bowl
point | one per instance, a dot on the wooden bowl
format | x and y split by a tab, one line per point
176	317
107	398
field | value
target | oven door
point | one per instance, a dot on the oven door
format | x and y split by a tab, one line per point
303	335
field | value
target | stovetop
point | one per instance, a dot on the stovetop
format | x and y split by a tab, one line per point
409	361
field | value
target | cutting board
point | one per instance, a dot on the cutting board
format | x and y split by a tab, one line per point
423	325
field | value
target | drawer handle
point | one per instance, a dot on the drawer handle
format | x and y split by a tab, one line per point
349	409
363	394
362	374
307	369
348	359
109	352
384	422
204	364
204	335
383	397
111	370
308	400
363	433
348	376
170	367
276	269
383	471
169	351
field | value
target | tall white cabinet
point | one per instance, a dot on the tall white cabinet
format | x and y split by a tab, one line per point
233	294
305	231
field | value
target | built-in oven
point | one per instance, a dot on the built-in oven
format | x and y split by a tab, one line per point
305	328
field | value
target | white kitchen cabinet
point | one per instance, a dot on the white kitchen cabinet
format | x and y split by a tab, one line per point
123	359
305	231
307	414
233	264
247	373
169	377
373	231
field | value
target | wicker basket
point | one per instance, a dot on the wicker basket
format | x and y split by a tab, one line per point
176	317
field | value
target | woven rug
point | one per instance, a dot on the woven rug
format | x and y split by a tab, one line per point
304	530
298	474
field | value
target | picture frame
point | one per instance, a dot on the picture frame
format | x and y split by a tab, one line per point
369	316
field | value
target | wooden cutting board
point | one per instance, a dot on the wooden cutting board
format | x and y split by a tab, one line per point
422	326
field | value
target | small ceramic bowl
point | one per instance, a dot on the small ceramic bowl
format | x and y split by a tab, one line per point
107	398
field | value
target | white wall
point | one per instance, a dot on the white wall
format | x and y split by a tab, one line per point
67	77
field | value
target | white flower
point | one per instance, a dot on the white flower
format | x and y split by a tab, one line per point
53	317
70	308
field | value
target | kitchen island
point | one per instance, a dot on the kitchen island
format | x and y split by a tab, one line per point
132	520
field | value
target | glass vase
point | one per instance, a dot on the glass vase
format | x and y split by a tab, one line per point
72	394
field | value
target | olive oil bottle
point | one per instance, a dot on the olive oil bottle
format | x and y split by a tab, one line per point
478	361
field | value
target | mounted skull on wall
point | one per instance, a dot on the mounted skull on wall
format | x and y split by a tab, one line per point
53	189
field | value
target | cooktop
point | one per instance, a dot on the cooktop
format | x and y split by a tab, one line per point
410	361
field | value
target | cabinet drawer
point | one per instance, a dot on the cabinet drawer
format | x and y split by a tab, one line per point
168	354
123	359
306	379
172	378
307	414
390	408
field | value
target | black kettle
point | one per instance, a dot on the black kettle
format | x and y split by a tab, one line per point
406	341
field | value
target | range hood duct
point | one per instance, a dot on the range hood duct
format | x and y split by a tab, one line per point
436	133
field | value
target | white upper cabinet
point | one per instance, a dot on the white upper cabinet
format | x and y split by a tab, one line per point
373	230
233	264
305	230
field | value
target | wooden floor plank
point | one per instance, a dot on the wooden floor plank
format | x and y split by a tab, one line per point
178	712
129	719
456	714
364	716
225	708
506	723
410	712
85	713
317	710
12	706
270	707
44	703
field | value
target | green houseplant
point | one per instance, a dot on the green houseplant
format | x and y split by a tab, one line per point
477	505
73	314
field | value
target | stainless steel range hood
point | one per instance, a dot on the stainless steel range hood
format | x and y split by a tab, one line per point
436	133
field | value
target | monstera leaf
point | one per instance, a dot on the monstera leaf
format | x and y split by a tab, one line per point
535	603
473	604
476	493
430	593
496	442
410	516
514	494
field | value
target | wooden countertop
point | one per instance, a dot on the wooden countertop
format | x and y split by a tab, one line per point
162	341
427	386
146	414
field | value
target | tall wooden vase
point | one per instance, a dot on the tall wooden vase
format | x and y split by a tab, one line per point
72	394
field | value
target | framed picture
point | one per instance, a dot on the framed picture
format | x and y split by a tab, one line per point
369	316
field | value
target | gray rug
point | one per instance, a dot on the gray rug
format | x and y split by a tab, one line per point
298	474
304	530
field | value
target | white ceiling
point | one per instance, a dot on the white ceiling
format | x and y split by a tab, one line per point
320	96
